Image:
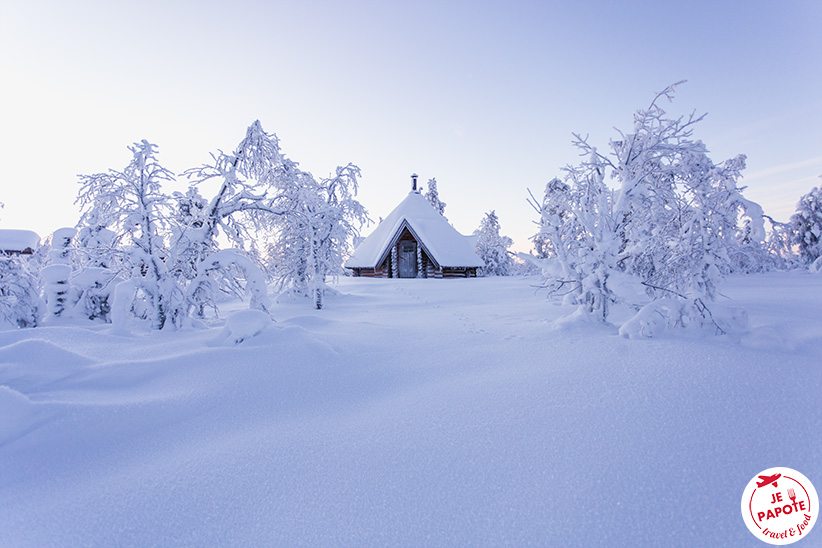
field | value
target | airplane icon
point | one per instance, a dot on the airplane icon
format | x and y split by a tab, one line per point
767	480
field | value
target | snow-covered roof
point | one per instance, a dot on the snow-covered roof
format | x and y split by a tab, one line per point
439	239
18	240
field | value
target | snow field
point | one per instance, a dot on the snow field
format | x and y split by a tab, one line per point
409	413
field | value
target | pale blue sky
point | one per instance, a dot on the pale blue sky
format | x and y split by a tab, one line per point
481	95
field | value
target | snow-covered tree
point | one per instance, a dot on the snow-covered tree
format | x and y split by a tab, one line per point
752	255
555	214
20	302
131	204
779	244
806	225
249	197
315	233
253	197
585	242
492	247
433	197
668	231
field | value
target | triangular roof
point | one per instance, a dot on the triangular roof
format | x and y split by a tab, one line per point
441	241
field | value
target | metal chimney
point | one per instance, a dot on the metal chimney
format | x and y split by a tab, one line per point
414	181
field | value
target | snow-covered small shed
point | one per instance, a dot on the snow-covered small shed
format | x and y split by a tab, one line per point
18	242
415	241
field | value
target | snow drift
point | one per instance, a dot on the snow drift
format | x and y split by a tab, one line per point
409	413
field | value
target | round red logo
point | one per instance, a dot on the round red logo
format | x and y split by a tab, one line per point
780	506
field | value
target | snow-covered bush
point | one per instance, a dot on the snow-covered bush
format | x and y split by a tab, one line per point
20	302
97	263
212	274
806	225
244	325
778	244
94	286
669	229
57	288
492	247
60	296
433	197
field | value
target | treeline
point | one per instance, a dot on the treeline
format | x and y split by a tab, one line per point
641	235
139	253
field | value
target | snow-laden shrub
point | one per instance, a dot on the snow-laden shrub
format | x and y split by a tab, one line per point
97	271
806	224
57	288
20	302
59	293
95	286
492	247
244	325
212	274
662	313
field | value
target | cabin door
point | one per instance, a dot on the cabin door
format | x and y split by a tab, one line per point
407	260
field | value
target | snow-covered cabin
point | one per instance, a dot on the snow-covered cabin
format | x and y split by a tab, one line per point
18	242
415	241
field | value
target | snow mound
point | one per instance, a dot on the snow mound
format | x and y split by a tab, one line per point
575	320
30	365
245	324
55	273
313	323
16	413
428	413
766	338
650	319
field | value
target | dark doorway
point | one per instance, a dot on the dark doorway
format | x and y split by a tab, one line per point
407	260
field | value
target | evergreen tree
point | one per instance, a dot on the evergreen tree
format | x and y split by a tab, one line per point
433	197
806	226
492	248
